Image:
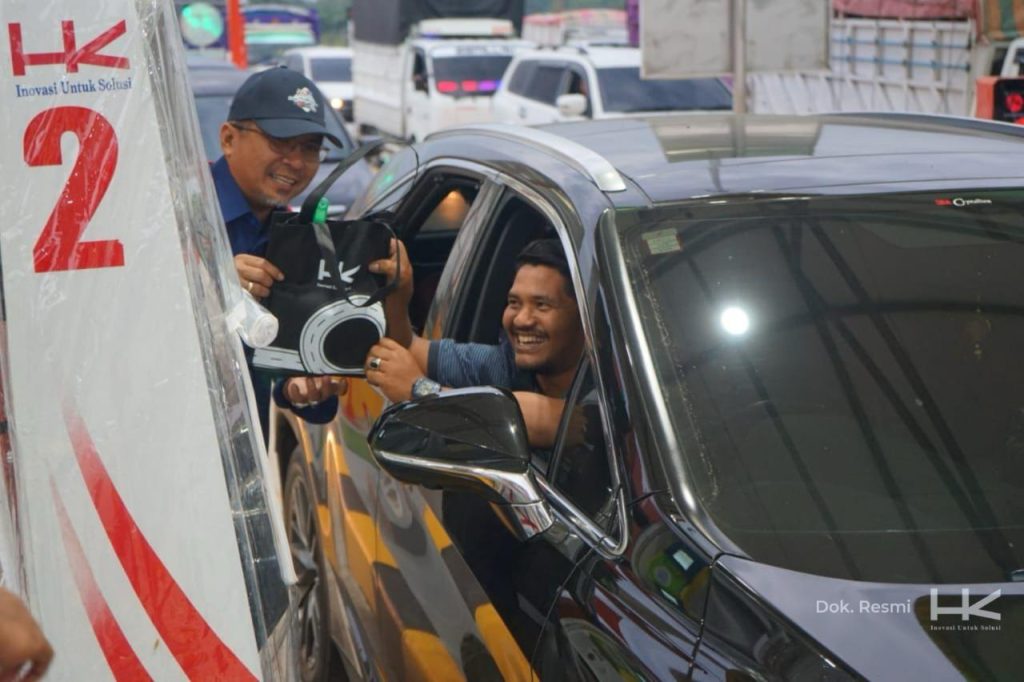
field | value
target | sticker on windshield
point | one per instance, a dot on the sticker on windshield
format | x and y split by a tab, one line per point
961	202
662	241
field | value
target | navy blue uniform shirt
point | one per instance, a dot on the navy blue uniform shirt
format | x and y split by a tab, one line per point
248	235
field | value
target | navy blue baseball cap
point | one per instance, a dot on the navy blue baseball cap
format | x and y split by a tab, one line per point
283	103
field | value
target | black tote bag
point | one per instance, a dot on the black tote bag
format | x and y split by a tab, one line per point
328	306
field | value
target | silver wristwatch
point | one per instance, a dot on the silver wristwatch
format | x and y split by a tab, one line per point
425	386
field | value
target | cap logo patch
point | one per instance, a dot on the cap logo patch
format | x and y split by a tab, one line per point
304	100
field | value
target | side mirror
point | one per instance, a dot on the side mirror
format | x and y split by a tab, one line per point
469	439
571	105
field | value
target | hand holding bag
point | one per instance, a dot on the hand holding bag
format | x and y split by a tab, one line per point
329	304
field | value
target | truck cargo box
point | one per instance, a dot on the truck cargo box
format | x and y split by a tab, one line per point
388	21
996	21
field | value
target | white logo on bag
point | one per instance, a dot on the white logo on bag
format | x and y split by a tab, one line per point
304	100
346	275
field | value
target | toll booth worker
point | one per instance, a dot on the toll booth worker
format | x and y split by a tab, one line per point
272	146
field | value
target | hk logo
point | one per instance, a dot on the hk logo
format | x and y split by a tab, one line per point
71	56
346	275
966	609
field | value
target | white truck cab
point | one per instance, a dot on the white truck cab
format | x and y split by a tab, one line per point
1012	61
445	74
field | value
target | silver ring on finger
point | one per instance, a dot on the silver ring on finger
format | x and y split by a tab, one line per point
374	363
248	287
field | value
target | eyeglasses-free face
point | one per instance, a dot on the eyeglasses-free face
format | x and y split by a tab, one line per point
310	150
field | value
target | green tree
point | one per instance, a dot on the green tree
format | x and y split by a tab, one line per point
333	21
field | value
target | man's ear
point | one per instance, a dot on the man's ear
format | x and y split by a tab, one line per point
227	138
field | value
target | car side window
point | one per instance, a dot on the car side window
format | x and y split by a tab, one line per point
521	77
419	71
581	470
544	84
577	84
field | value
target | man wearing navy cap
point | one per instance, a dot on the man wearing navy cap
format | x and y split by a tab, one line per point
273	145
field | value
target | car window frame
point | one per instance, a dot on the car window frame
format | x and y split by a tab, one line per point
608	544
555	64
520	74
591	361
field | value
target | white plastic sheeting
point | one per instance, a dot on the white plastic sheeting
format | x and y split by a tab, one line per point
140	529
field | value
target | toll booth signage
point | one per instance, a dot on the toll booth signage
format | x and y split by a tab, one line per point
127	527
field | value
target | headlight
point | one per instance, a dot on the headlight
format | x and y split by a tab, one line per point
338	103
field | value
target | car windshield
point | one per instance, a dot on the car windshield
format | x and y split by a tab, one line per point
623	90
213	111
474	75
843	377
331	69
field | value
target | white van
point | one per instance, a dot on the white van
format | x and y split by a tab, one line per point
567	83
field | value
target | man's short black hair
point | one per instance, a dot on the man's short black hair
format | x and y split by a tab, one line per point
547	252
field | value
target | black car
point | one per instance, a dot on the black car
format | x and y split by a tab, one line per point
803	453
214	84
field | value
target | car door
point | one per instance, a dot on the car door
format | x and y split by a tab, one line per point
509	101
626	590
439	621
432	623
580	600
597	597
538	106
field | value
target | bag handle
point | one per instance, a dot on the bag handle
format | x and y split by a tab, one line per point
325	241
309	205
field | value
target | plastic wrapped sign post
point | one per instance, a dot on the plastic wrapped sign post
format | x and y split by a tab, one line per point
142	528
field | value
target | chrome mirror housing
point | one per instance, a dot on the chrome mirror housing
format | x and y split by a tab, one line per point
465	439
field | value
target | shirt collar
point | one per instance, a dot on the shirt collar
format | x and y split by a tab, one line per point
233	203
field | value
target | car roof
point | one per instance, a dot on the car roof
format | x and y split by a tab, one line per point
601	57
432	44
686	156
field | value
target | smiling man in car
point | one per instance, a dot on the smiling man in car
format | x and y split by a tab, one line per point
272	146
537	359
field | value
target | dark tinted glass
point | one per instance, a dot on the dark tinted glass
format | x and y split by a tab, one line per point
582	470
483	71
330	69
544	85
622	89
845	377
521	77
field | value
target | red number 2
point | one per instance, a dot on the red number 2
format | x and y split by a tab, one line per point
58	247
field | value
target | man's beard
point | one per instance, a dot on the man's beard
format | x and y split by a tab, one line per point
273	202
535	365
